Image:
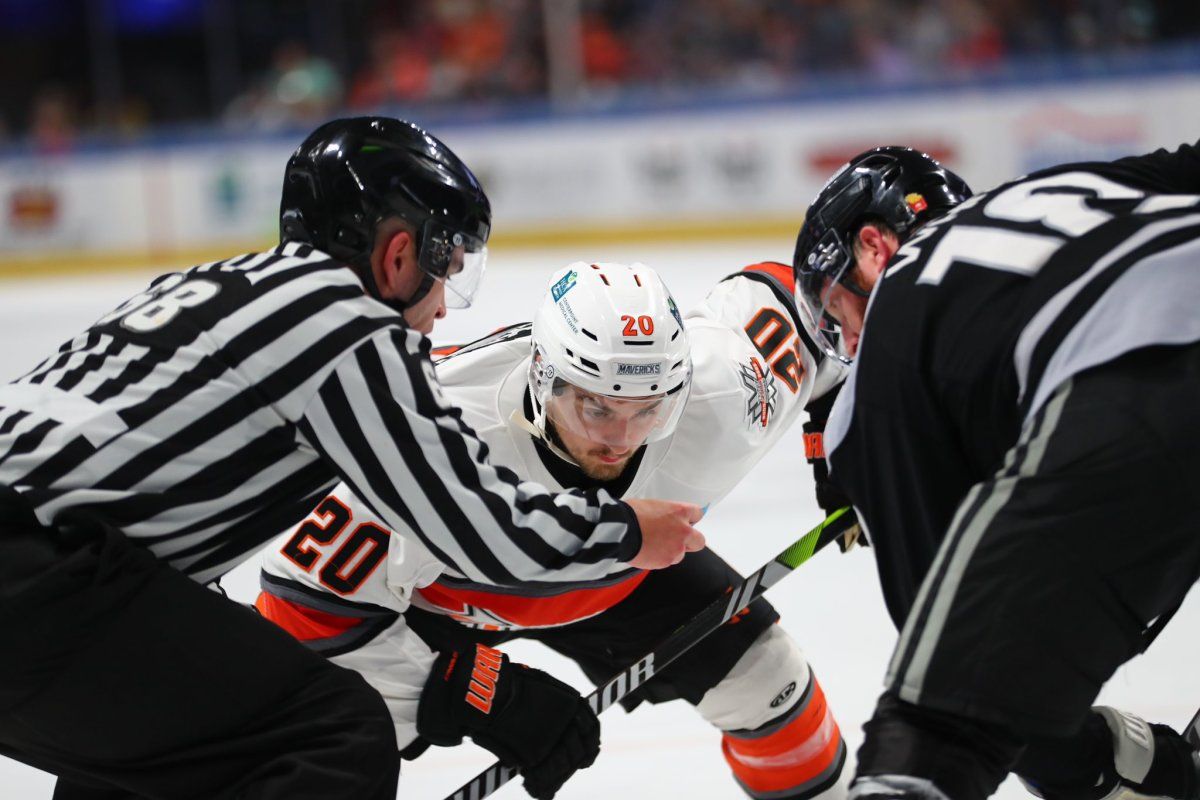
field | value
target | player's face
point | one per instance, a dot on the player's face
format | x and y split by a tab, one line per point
603	433
849	309
429	309
873	250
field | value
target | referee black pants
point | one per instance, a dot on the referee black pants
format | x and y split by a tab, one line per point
120	673
1053	571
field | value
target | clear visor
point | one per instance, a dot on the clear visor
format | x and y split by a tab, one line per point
815	289
622	423
455	258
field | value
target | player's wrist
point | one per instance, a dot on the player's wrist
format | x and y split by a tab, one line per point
631	543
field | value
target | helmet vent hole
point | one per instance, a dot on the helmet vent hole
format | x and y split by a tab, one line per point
637	279
604	278
590	335
639	344
675	335
592	365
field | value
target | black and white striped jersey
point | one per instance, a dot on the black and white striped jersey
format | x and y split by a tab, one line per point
983	313
214	410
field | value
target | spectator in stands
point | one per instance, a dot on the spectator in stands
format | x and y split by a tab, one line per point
447	51
52	127
299	88
400	70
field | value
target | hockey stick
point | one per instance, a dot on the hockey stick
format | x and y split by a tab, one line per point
686	636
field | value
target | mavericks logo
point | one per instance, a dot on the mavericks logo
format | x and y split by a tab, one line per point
639	369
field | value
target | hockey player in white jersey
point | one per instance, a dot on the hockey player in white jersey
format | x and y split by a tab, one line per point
608	388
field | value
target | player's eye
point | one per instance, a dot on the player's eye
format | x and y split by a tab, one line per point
595	411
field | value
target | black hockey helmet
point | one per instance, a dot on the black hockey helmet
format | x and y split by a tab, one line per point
351	174
898	186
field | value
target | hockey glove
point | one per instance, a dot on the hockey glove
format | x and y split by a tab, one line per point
829	497
1147	761
525	717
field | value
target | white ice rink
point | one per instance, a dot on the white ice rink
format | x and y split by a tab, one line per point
832	605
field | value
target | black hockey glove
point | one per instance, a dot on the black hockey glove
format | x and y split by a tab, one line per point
829	497
525	717
1147	760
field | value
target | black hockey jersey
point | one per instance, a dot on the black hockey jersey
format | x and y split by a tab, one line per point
982	313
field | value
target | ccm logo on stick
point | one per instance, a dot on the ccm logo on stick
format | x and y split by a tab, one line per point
482	687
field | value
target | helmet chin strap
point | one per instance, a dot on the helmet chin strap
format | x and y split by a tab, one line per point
417	296
367	274
518	418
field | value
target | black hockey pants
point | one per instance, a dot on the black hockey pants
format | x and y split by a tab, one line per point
120	672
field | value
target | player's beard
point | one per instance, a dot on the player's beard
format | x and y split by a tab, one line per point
593	467
589	459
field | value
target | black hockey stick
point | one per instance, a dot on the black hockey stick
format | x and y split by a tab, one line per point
686	636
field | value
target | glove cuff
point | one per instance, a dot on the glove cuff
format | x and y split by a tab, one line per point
460	694
814	445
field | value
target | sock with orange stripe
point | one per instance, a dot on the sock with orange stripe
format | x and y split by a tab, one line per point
795	756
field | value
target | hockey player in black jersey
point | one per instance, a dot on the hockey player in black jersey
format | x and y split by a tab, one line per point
1018	435
159	447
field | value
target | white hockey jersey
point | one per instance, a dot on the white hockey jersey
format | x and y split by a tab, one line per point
340	579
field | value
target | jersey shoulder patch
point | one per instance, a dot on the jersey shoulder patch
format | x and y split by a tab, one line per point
761	392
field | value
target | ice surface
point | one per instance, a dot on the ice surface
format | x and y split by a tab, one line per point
831	605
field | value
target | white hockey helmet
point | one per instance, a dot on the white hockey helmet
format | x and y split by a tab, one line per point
611	360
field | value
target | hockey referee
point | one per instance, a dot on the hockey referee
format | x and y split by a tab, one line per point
156	449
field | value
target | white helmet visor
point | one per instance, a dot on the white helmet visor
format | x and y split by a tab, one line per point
617	422
457	259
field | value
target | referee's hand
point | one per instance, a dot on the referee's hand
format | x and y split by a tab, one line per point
667	532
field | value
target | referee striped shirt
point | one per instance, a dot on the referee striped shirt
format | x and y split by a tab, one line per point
213	411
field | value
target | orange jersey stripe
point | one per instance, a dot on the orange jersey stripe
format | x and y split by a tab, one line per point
533	612
780	272
306	624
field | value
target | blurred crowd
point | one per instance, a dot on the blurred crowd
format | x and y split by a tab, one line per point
298	65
